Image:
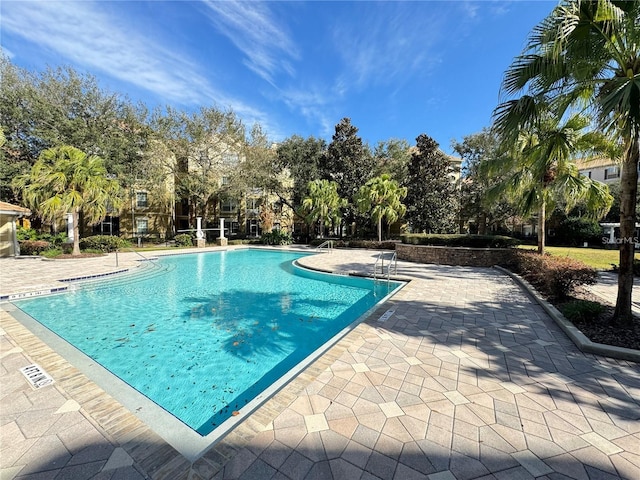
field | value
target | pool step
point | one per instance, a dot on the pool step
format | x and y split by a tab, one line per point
146	271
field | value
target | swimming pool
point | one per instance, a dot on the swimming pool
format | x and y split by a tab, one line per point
203	334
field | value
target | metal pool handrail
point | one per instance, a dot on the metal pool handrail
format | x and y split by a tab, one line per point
393	263
152	260
328	245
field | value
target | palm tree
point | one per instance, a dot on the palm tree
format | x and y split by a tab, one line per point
540	171
64	179
586	55
323	203
382	198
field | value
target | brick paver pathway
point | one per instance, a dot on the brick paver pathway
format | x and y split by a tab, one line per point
465	377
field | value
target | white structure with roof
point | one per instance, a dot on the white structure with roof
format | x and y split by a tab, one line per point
8	241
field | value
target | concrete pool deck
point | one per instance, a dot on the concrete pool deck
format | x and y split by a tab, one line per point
467	377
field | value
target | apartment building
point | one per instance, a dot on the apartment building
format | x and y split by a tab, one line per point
602	170
205	185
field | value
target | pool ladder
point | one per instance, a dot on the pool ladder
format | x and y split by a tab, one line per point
385	270
328	246
145	259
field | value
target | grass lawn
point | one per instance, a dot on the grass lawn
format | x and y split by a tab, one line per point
596	257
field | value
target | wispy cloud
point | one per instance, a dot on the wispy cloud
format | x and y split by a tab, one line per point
88	36
387	44
6	52
254	30
470	9
315	104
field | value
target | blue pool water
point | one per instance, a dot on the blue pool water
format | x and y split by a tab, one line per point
202	335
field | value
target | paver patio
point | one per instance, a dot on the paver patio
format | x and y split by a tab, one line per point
466	378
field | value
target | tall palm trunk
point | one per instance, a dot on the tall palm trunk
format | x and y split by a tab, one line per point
628	192
76	231
380	229
541	228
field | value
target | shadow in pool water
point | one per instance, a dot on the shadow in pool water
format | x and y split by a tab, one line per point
270	328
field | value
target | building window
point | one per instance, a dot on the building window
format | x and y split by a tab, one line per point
225	180
228	206
588	174
611	172
142	226
141	200
253	205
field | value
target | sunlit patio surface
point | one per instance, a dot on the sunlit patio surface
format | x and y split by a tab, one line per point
460	375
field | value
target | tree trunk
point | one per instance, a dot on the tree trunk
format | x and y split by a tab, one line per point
76	231
380	229
628	192
541	228
482	223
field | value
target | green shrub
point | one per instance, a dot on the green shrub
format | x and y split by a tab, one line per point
34	247
26	234
276	237
459	240
554	276
103	243
184	240
574	231
31	234
582	310
52	252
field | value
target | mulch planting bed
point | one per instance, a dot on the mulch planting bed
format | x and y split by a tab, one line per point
601	329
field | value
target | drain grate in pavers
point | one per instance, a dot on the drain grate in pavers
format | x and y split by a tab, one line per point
36	376
386	316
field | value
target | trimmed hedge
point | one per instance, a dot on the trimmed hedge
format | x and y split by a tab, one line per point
460	240
368	244
244	241
34	247
553	276
103	243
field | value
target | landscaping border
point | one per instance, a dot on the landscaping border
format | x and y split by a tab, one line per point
579	338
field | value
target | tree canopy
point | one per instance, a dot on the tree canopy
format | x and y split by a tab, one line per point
430	196
323	204
64	179
349	163
302	158
585	56
62	107
478	151
381	197
540	172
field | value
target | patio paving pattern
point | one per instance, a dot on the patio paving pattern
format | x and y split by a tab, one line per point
461	375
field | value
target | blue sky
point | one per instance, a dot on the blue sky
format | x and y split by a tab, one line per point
397	69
